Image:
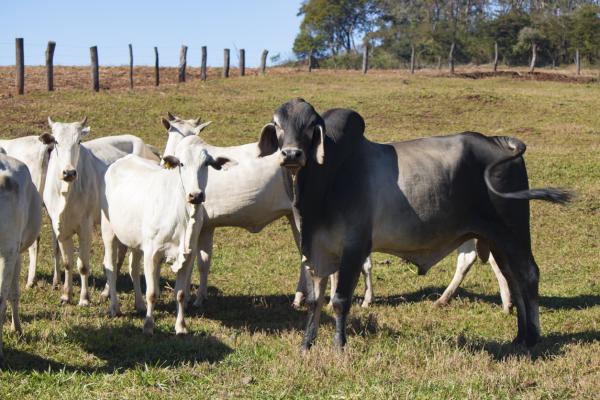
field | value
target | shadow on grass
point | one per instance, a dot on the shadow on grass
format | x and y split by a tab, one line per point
271	313
122	348
432	293
551	345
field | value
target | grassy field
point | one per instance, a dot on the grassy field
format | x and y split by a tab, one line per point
245	341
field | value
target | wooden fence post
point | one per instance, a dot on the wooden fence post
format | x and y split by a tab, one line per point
412	58
577	61
20	65
203	65
451	58
94	65
182	63
50	65
533	57
226	63
130	66
242	62
156	68
263	61
310	61
495	56
365	61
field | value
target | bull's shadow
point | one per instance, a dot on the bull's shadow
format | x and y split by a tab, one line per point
432	293
551	345
269	313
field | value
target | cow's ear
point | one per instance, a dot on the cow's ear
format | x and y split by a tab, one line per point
170	162
201	127
47	139
318	145
221	162
50	122
268	143
2	151
171	116
166	123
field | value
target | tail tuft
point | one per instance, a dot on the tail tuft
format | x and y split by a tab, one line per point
553	195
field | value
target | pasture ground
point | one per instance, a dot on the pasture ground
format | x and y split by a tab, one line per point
245	341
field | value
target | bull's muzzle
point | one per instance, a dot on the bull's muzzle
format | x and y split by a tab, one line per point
292	158
196	198
69	175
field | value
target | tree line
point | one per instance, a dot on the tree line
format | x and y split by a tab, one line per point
334	31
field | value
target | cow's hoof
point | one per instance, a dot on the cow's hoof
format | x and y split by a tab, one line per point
441	302
199	302
16	328
140	308
84	303
339	342
148	327
507	309
29	285
115	312
181	330
365	304
305	347
64	300
104	296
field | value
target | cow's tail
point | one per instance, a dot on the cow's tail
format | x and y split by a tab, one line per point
553	195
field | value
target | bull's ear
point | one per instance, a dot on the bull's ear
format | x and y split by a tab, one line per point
318	145
221	162
171	116
201	127
170	162
2	151
50	122
47	139
166	123
268	143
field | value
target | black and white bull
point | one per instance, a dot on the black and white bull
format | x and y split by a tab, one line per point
418	200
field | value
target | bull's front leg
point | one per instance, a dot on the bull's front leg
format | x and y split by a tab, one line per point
134	272
57	257
205	248
110	249
181	283
314	302
83	261
301	289
68	259
350	267
152	275
14	296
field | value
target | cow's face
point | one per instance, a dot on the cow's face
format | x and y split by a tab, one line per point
297	131
193	160
66	139
178	129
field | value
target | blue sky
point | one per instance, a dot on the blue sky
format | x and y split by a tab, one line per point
113	24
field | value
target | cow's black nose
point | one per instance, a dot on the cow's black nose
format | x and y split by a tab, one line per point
291	154
196	198
69	175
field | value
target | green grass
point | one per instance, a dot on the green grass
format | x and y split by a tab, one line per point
245	342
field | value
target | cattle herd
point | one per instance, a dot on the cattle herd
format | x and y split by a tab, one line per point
343	195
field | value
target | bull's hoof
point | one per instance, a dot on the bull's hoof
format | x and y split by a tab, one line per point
366	303
29	284
83	303
64	300
140	308
507	309
148	327
181	330
298	300
104	296
440	303
200	301
16	328
305	347
114	311
339	342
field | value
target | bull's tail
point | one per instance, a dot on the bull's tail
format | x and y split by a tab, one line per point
553	195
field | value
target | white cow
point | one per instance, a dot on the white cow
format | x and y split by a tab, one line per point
73	191
20	216
157	210
257	193
32	151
